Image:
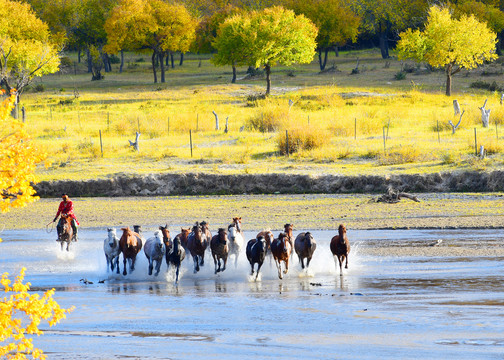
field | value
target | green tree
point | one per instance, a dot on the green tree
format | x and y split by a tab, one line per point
264	39
150	25
336	22
447	42
27	48
385	17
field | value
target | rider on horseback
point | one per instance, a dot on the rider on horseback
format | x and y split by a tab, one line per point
66	209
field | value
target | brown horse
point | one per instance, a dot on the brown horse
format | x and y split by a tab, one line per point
281	250
66	234
269	237
206	230
166	238
184	233
288	231
196	244
340	247
131	244
305	246
219	245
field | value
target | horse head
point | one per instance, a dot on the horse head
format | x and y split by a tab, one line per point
128	238
166	234
288	229
237	222
223	239
199	234
342	231
283	237
112	237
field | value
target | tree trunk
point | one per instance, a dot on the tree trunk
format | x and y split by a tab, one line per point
384	48
336	51
233	80
181	59
106	62
154	66
79	55
172	61
448	79
122	62
267	67
161	63
321	65
89	61
323	62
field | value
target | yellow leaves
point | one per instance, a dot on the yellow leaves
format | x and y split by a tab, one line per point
18	160
465	42
18	306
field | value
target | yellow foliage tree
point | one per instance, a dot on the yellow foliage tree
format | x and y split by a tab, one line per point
451	43
21	314
18	159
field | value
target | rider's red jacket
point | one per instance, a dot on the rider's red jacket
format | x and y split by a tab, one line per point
67	208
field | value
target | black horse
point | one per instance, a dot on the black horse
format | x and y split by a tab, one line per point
175	255
256	253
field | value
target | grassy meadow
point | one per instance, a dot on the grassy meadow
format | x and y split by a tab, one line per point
337	122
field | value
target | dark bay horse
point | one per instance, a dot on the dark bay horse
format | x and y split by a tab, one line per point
205	227
281	250
176	255
196	244
131	244
256	253
219	245
340	247
66	234
268	237
305	246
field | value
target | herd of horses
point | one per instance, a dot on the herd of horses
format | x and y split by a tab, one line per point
227	243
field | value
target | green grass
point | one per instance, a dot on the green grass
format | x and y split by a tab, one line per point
330	104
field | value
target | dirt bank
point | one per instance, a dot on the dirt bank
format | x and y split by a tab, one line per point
210	184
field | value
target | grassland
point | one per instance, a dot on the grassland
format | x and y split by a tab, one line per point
341	120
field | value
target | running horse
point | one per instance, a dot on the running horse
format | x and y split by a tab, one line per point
340	247
219	245
197	244
305	246
65	223
236	241
131	244
281	250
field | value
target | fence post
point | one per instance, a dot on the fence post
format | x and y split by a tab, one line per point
355	129
101	145
384	142
23	112
190	140
437	128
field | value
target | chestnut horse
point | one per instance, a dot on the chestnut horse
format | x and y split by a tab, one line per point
236	241
196	244
65	223
340	247
184	233
219	245
288	231
131	244
112	250
256	253
176	255
268	237
206	231
281	250
166	238
305	246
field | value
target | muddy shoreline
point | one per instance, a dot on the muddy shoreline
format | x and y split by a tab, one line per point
212	184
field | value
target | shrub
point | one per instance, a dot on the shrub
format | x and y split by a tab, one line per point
401	75
302	139
65	62
486	86
39	88
114	59
401	155
272	118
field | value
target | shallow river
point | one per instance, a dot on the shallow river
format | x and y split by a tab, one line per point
382	307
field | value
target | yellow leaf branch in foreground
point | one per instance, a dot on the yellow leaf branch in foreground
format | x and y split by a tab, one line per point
21	314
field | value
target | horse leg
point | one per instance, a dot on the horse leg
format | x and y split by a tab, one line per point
301	260
176	273
151	265
215	264
252	269
109	263
340	260
124	265
279	268
308	259
196	263
346	262
259	264
158	266
224	260
202	259
68	244
236	259
286	265
117	264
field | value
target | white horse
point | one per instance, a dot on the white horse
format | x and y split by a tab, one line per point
155	251
236	241
112	250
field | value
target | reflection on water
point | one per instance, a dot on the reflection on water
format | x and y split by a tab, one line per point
382	307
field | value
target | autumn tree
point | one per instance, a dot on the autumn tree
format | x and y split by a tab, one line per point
336	22
152	25
18	160
447	42
21	313
27	48
264	39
